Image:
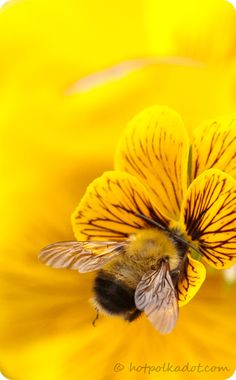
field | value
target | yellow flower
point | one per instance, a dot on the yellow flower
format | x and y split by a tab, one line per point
59	130
149	189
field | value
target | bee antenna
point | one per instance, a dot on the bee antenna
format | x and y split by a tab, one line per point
151	221
177	237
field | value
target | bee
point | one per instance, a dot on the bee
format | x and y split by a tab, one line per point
133	276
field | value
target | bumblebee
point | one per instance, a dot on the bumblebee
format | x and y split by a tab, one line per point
133	276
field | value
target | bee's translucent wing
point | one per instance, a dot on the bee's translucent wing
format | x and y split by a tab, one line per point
163	315
82	256
156	296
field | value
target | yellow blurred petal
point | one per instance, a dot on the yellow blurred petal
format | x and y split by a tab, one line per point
74	33
111	207
214	146
154	148
200	29
52	122
193	277
209	216
48	333
63	41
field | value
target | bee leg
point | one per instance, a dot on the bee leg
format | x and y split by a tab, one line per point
96	318
175	276
132	315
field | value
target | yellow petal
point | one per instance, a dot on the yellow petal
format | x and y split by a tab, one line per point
209	216
111	207
154	148
214	146
192	278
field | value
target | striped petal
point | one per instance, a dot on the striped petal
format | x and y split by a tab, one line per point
192	279
154	148
111	208
214	146
209	216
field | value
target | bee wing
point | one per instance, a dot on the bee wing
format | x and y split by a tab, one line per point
156	295
81	256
